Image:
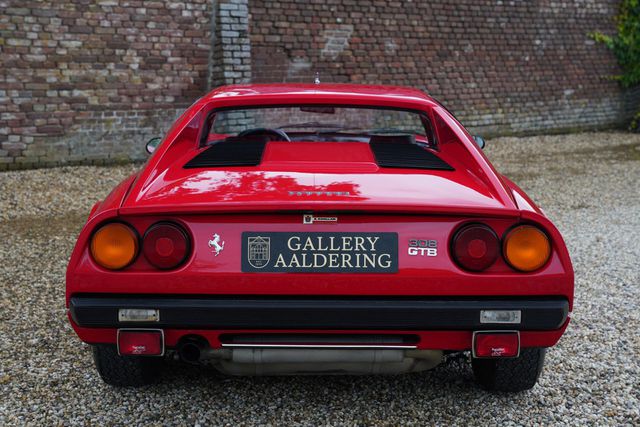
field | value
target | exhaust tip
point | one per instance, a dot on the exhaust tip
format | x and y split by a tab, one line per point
191	351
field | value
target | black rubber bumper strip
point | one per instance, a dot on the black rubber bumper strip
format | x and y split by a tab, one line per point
319	313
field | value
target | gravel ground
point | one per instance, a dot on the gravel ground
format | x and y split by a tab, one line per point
587	183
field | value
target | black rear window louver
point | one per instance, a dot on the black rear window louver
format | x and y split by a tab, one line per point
248	152
406	156
230	152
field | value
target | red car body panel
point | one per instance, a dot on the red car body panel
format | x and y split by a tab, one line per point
449	340
272	196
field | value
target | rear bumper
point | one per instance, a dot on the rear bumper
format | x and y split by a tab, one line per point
269	313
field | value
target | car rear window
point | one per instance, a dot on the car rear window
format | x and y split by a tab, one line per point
302	121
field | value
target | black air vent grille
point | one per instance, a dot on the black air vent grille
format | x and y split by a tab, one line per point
409	156
230	152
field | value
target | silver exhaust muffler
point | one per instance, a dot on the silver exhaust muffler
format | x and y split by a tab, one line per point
314	361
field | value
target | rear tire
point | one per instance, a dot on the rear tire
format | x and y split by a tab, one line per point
510	375
125	371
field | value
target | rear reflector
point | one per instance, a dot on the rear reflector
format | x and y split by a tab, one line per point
140	342
496	344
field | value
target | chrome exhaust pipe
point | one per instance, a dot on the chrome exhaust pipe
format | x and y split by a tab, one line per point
195	351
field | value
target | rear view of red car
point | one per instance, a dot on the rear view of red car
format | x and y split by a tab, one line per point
296	229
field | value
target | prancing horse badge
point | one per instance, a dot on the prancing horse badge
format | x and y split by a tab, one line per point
217	244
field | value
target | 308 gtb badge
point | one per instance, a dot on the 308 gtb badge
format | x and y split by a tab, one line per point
423	247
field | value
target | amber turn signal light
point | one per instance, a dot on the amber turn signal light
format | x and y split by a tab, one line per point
526	248
114	246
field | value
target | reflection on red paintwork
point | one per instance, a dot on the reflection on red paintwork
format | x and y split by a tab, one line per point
212	186
223	186
301	173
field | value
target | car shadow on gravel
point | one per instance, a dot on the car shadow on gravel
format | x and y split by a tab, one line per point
454	374
437	394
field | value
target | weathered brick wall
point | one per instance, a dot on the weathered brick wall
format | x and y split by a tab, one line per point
92	80
87	80
501	66
231	50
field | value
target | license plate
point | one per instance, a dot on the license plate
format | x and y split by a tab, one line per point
286	252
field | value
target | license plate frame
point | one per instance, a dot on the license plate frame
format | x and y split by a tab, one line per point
319	252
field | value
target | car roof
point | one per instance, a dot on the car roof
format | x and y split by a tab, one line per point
321	93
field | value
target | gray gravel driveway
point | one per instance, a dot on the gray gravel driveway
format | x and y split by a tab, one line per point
587	183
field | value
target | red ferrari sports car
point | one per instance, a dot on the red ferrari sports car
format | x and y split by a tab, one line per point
310	229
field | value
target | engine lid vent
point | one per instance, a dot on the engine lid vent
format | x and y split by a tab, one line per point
407	156
232	151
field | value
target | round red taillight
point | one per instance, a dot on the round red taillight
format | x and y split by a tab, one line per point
165	245
475	247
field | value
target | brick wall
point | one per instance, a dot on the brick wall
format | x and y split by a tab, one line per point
92	80
501	66
87	80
